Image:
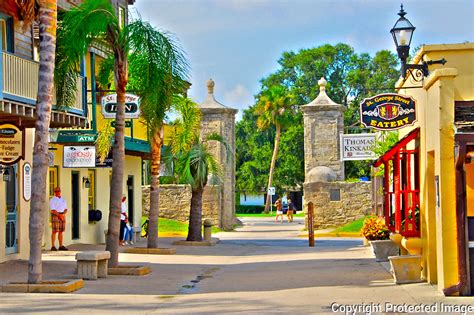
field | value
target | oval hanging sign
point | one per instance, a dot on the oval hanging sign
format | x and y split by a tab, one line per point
388	111
12	144
132	106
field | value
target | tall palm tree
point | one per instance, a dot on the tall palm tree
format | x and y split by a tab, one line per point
194	162
273	107
47	28
156	55
96	21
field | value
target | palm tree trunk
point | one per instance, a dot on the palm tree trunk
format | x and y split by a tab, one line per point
118	154
272	167
195	216
157	142
48	23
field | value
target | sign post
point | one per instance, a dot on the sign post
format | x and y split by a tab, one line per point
310	224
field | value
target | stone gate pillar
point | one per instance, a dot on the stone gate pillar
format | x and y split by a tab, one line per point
217	118
323	122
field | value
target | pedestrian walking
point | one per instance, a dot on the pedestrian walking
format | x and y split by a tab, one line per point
291	209
279	211
58	209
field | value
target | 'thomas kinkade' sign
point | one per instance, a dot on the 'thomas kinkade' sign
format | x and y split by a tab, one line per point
357	146
388	111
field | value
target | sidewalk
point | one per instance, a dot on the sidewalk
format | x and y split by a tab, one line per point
263	267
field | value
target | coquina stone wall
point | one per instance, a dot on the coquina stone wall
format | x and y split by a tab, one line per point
355	202
175	202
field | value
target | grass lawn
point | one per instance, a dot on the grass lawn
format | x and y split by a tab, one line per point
169	228
352	227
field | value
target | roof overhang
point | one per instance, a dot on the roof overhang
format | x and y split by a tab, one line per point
24	115
396	147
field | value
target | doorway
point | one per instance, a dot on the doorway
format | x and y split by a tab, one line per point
11	237
75	188
130	193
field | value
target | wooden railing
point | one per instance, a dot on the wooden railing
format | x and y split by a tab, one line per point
20	80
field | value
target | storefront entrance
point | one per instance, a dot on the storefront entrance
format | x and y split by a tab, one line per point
11	237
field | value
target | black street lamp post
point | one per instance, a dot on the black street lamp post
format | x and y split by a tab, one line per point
402	33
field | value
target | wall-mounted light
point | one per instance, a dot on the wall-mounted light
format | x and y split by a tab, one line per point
402	33
130	183
86	182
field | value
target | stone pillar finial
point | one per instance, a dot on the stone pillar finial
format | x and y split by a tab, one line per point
210	86
322	84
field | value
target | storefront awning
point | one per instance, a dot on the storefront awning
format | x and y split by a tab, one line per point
395	148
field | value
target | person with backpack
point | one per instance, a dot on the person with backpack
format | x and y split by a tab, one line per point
291	209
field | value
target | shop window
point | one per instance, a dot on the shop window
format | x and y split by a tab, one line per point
121	16
6	34
53	180
91	195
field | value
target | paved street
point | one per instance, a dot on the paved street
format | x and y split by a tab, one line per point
263	267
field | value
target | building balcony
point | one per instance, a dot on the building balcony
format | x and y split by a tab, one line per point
18	90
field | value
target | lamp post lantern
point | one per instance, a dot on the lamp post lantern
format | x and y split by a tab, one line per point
402	33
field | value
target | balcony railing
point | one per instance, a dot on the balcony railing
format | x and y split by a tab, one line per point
20	81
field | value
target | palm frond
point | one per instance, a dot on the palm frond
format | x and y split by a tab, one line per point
106	72
222	140
104	139
158	69
187	124
77	29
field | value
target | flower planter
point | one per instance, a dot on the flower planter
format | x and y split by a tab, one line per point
406	268
384	248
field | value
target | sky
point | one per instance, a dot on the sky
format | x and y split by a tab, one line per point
239	42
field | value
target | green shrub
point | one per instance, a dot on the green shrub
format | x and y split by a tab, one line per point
243	209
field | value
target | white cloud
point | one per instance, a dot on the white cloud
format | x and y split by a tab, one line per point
238	97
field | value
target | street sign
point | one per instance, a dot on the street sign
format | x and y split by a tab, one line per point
128	124
271	191
132	106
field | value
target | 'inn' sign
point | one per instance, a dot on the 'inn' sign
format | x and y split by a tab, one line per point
132	106
388	111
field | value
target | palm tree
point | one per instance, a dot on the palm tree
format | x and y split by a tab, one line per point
194	162
157	70
273	107
47	27
96	21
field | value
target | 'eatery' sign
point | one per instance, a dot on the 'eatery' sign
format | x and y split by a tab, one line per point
388	111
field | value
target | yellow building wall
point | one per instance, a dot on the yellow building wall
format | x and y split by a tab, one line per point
93	232
435	112
23	207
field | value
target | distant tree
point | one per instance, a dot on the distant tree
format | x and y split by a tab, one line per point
273	109
351	78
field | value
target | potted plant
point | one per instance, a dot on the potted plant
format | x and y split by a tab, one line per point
375	230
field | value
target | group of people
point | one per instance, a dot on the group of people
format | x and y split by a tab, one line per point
282	208
58	209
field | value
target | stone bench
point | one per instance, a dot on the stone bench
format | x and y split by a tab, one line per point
92	264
